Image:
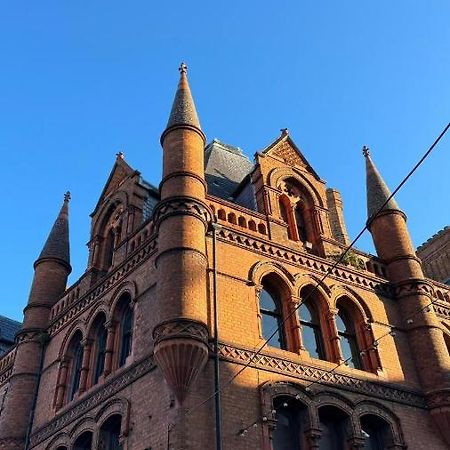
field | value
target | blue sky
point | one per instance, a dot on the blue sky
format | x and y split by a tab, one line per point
80	81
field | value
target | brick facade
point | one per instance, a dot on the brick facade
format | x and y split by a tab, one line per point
383	380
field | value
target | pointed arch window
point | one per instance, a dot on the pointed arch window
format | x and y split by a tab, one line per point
83	442
100	351
288	433
109	248
334	428
109	438
271	319
126	335
76	364
348	340
311	331
300	223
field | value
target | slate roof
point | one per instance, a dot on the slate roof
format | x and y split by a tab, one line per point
225	167
8	330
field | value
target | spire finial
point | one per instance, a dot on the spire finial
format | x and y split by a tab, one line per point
67	197
366	151
120	155
284	131
183	68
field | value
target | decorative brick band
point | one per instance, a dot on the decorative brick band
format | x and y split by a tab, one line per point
113	279
413	286
442	311
175	206
304	372
180	328
315	265
104	393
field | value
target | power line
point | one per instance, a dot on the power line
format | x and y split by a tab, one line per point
329	271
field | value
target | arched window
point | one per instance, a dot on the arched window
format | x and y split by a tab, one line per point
109	249
83	442
347	339
300	223
99	335
109	438
284	210
376	431
333	426
309	316
311	333
126	335
76	356
288	433
271	319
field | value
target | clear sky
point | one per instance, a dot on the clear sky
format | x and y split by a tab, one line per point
80	81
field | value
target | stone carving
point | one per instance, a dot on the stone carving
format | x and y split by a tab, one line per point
324	377
411	287
181	206
180	328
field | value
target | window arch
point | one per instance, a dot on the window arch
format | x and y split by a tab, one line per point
109	249
75	355
271	318
125	331
376	431
109	437
334	426
83	442
289	431
347	339
99	335
295	209
310	322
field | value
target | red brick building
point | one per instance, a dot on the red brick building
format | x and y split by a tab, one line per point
185	283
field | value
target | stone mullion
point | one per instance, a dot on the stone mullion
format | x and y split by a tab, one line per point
111	327
296	327
87	348
334	339
61	383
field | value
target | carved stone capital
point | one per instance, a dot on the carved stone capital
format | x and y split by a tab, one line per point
175	206
181	328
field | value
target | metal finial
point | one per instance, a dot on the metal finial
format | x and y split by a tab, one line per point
120	155
67	196
183	68
284	131
366	151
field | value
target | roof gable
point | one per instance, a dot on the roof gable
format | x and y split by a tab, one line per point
284	148
119	173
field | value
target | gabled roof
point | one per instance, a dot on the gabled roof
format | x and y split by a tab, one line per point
284	147
120	171
225	167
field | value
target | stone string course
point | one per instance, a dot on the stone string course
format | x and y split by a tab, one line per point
304	372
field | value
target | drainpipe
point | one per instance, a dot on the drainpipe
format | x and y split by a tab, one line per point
214	228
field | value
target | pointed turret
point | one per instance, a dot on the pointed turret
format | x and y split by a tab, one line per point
183	113
57	244
51	270
413	294
377	191
182	217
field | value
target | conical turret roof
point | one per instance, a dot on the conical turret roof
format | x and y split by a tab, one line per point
183	109
377	191
57	244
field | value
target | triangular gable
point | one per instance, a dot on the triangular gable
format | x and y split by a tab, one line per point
284	148
120	171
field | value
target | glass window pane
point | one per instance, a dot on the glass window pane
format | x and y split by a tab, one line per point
312	341
269	324
305	313
266	301
286	435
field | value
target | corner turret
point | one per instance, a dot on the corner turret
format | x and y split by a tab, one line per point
51	270
413	293
182	218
